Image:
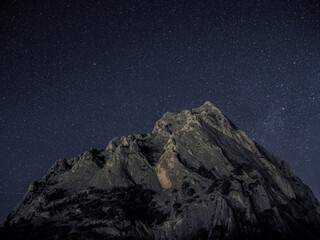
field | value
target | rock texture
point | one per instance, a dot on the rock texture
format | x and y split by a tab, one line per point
196	176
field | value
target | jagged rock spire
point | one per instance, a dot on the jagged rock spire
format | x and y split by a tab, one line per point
195	176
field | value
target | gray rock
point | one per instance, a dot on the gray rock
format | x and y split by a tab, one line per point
196	176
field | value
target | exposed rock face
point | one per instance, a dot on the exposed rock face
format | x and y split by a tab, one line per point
196	176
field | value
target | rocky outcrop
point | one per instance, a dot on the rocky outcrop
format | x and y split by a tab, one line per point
196	176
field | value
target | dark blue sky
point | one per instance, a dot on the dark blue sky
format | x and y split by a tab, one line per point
75	74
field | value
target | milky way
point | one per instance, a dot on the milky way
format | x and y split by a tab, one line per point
75	74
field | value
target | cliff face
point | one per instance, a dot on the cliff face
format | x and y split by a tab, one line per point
196	176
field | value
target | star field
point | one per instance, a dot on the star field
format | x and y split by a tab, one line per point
75	74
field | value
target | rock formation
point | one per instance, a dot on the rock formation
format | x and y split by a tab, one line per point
196	176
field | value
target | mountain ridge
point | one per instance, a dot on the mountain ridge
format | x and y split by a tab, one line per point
198	177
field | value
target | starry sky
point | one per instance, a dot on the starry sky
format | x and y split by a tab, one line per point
75	74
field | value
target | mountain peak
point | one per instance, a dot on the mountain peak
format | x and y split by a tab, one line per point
195	176
209	107
207	114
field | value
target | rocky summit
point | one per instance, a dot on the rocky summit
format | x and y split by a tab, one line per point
195	176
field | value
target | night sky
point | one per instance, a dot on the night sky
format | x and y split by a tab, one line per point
75	74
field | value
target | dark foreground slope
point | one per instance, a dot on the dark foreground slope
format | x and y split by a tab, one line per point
196	176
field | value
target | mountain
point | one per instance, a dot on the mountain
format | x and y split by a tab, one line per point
196	176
